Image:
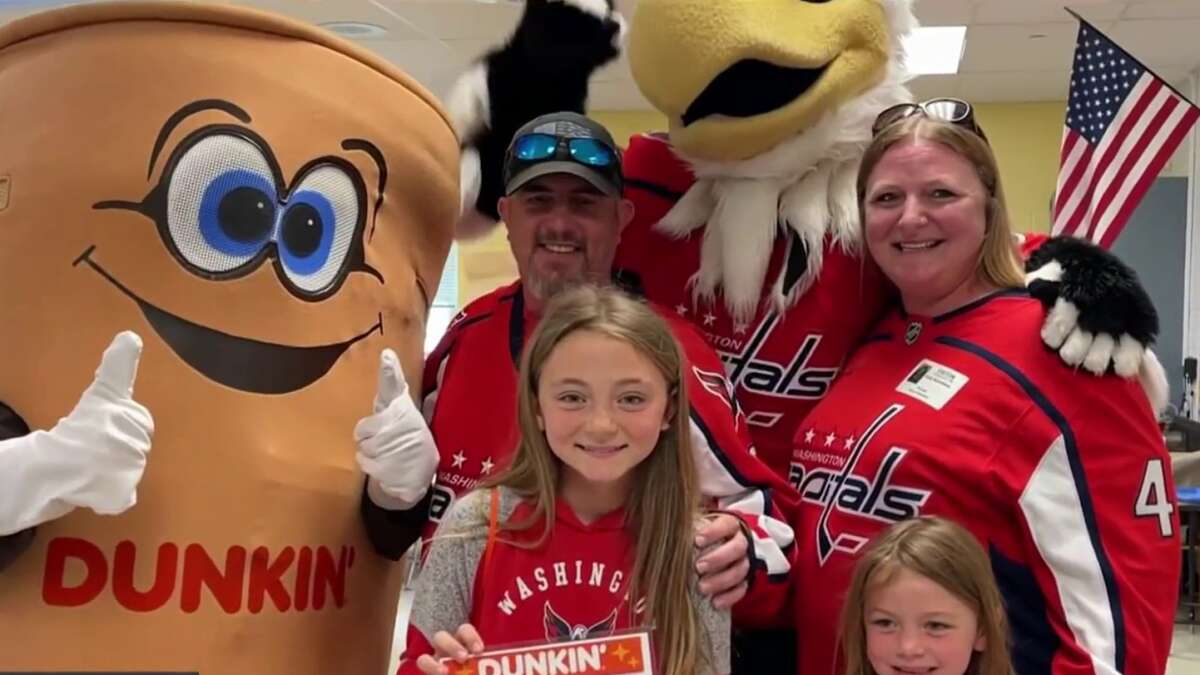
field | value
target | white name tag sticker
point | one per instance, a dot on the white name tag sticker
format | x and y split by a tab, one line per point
932	383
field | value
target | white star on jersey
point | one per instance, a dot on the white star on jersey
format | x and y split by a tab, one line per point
849	442
459	459
809	436
829	440
681	309
487	465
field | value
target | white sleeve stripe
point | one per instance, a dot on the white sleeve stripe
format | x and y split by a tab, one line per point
1054	512
1098	621
770	556
429	405
747	502
718	476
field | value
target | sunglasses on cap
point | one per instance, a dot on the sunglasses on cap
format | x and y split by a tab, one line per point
953	110
587	151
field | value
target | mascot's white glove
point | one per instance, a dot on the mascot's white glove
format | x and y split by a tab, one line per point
395	448
94	457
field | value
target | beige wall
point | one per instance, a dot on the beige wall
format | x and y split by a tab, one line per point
1026	137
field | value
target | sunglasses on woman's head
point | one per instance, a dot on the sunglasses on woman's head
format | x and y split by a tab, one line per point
953	110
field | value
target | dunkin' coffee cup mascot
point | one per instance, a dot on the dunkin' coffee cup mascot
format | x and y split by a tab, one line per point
746	216
246	217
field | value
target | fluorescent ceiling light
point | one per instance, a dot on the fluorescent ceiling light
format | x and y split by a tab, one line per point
354	29
934	50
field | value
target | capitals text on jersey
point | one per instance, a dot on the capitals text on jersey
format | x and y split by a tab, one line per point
796	379
872	497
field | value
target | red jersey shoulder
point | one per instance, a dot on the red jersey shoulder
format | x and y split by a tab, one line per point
1011	330
481	311
655	178
1010	327
695	347
484	306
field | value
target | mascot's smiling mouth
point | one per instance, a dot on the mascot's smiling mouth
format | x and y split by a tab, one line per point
243	364
751	87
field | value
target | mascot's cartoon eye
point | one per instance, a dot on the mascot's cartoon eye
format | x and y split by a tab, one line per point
221	203
317	228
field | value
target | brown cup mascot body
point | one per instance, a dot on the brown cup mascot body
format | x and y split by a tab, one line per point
268	207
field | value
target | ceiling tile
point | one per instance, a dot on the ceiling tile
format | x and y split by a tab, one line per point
319	12
1004	47
1013	86
1043	11
458	19
425	60
1162	9
14	9
1160	42
943	12
926	87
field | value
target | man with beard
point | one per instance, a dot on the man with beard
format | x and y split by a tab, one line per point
564	210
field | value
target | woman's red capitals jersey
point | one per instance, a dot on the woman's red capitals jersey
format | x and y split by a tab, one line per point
576	585
780	365
1062	476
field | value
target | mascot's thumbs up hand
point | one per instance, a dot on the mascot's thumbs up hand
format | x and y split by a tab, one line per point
93	457
395	448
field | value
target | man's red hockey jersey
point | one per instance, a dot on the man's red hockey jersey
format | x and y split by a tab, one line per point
470	402
1062	476
779	365
575	585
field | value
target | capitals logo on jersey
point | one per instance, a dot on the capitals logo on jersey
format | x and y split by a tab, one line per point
716	384
850	492
559	629
796	379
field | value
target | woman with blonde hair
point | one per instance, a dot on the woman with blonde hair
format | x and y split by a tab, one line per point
952	407
923	598
589	531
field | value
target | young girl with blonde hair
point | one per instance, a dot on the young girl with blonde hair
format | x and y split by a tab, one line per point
589	531
923	599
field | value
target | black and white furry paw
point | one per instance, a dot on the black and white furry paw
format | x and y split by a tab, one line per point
1099	316
544	67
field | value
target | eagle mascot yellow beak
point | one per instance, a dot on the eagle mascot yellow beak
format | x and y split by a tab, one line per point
737	77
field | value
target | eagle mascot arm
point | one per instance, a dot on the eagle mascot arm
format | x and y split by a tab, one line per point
544	67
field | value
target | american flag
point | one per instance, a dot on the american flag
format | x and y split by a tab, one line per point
1123	123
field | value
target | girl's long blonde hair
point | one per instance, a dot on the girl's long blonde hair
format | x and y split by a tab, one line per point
948	555
663	507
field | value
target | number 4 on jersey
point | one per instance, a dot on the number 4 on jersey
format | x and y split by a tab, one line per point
1153	499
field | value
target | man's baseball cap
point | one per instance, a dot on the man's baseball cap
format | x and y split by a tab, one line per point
563	142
